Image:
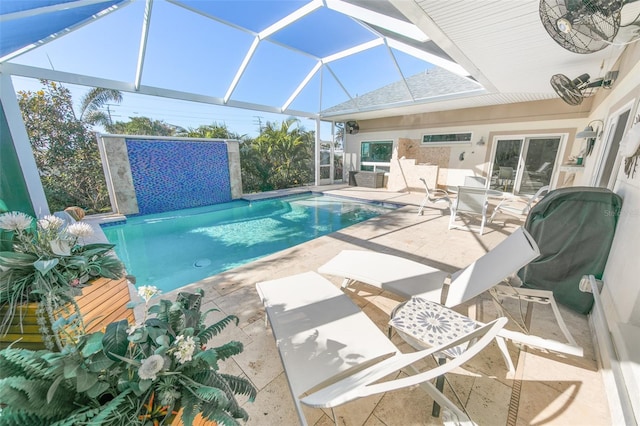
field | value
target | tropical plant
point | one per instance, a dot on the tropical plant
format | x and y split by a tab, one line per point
141	126
135	375
212	131
65	149
281	157
48	264
93	102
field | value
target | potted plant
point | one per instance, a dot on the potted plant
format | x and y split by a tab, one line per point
49	264
140	374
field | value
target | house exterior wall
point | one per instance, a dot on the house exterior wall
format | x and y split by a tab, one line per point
469	159
546	117
621	293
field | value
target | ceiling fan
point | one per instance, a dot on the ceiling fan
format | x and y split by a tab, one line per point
582	26
574	91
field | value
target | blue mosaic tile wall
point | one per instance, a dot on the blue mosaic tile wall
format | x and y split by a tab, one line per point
174	175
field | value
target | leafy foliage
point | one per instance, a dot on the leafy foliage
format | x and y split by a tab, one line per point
65	149
212	131
141	126
136	376
49	265
92	103
281	157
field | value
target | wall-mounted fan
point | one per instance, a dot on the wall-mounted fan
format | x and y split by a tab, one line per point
582	26
574	91
352	127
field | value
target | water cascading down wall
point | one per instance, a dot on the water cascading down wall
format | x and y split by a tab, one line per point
148	175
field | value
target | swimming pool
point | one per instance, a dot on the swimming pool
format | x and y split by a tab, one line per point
172	249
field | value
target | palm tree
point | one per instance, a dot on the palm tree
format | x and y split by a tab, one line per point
284	154
212	131
92	103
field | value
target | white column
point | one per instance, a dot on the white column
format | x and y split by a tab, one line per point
22	146
317	151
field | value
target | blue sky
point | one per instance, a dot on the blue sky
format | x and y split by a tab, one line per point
176	112
191	53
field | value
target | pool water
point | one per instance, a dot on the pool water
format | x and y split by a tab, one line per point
172	249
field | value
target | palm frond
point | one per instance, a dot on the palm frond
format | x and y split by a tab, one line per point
220	417
26	395
241	386
190	407
229	349
25	362
215	329
175	317
12	416
213	379
212	394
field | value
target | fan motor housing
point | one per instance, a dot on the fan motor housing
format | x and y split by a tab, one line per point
352	127
581	26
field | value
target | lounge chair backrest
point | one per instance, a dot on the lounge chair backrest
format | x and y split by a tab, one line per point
475	181
539	194
471	199
505	173
543	167
516	251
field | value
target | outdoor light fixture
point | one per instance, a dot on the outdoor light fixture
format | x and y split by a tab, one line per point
481	141
591	133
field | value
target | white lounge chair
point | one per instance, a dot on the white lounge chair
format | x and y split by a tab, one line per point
407	279
434	196
475	181
470	201
333	353
518	206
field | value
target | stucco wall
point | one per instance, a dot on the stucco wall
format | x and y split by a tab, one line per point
469	159
405	175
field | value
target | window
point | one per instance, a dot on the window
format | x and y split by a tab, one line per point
446	138
376	155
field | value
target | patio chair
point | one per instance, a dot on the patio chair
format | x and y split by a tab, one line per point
542	172
505	177
332	353
470	201
407	279
519	206
434	196
475	181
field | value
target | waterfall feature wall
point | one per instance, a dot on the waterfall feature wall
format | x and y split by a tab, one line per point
154	175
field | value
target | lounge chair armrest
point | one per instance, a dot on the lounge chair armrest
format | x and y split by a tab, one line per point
440	192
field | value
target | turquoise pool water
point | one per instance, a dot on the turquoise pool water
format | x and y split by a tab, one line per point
170	250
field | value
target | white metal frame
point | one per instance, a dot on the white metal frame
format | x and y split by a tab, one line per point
523	150
606	140
22	146
316	379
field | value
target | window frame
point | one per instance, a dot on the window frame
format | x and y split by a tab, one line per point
445	142
385	165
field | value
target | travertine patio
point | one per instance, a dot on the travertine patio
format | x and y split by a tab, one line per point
547	388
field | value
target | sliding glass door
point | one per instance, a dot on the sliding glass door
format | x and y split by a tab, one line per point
523	165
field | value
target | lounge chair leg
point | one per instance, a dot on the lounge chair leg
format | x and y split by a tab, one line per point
424	203
345	283
435	410
502	344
